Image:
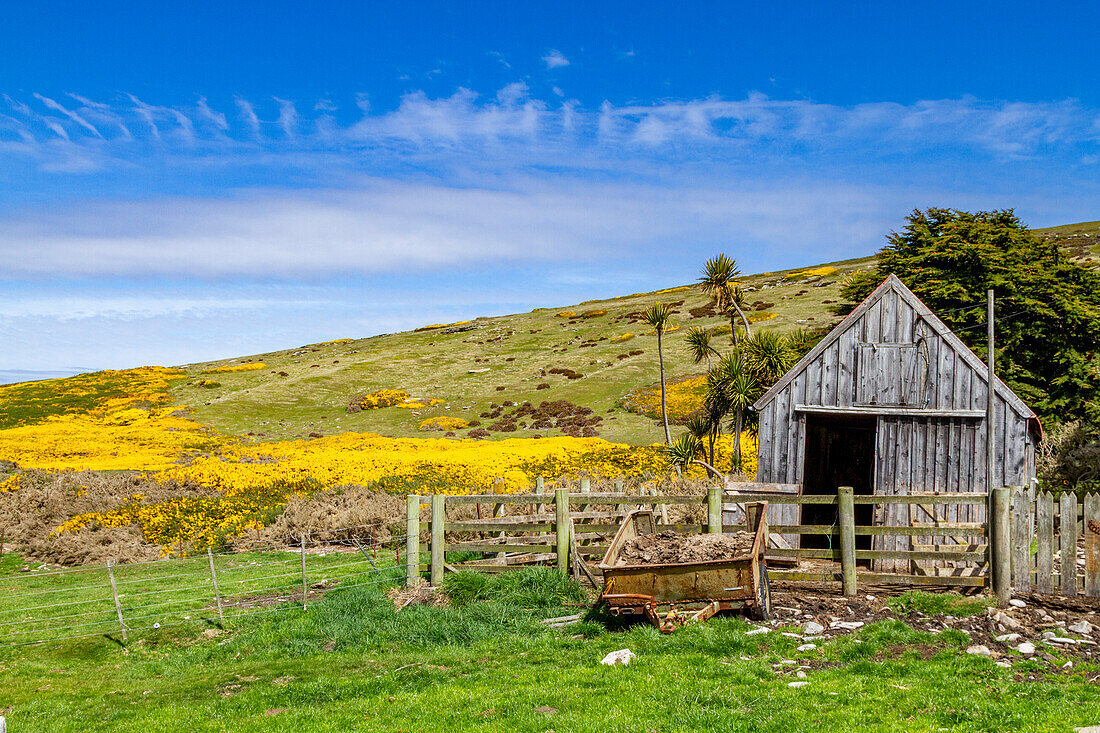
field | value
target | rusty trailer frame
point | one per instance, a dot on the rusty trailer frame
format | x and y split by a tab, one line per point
638	591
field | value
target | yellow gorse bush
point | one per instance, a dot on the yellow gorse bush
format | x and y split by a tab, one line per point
230	368
443	423
823	271
382	398
681	398
620	339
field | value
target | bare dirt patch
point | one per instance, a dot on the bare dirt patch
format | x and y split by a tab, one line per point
671	547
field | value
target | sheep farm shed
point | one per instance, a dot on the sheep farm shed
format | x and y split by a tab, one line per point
891	402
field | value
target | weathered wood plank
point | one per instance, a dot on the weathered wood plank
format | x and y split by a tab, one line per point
1067	512
1021	542
834	554
1044	558
924	499
880	578
1092	544
964	530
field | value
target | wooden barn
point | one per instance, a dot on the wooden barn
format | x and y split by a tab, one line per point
891	402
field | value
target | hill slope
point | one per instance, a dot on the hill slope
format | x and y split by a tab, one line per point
470	366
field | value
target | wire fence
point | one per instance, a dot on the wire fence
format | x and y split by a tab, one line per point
207	589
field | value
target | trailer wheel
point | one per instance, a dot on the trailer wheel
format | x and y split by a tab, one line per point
762	609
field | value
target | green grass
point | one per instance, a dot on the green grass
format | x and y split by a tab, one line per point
930	604
351	663
54	604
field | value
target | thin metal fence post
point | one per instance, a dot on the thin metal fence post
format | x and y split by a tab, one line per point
847	520
714	510
561	527
114	592
1000	543
412	540
439	522
214	579
305	588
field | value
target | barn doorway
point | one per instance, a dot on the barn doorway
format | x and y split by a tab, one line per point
840	451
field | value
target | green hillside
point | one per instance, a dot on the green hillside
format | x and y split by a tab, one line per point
471	366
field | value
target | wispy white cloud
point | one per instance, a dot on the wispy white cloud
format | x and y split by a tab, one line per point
555	59
58	107
288	117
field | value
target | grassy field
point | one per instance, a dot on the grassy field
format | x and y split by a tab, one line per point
351	663
305	390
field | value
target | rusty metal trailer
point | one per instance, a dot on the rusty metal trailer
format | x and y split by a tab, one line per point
719	585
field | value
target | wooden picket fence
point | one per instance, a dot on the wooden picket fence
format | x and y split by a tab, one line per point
1049	528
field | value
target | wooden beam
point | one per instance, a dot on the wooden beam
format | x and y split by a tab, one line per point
888	410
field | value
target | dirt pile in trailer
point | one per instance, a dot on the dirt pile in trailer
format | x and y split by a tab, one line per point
671	547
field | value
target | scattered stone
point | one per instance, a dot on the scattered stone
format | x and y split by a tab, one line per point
1008	638
1067	665
790	635
1081	627
812	628
787	661
1005	620
871	598
1027	648
758	630
1006	665
847	625
623	657
800	674
1048	635
1017	603
1063	640
807	647
980	650
799	683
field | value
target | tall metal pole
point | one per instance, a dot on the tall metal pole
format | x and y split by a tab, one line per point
990	432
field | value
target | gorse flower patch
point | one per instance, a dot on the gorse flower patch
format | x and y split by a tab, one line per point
682	398
443	423
377	400
230	368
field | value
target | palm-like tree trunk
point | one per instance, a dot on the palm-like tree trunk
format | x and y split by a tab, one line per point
664	407
737	425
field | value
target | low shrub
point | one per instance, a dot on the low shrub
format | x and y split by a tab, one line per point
594	313
620	339
230	368
377	400
443	422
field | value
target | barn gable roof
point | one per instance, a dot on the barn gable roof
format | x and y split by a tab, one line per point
894	283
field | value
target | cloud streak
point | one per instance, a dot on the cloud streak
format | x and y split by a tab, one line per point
465	121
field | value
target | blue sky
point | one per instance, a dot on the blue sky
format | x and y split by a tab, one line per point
203	181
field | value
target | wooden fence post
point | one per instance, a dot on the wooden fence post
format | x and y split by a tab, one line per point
1044	530
1092	544
1068	514
214	580
1022	532
412	540
1000	543
439	521
114	592
847	520
561	527
714	510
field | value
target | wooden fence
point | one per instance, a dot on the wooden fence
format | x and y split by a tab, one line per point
1056	543
568	528
1035	542
973	551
